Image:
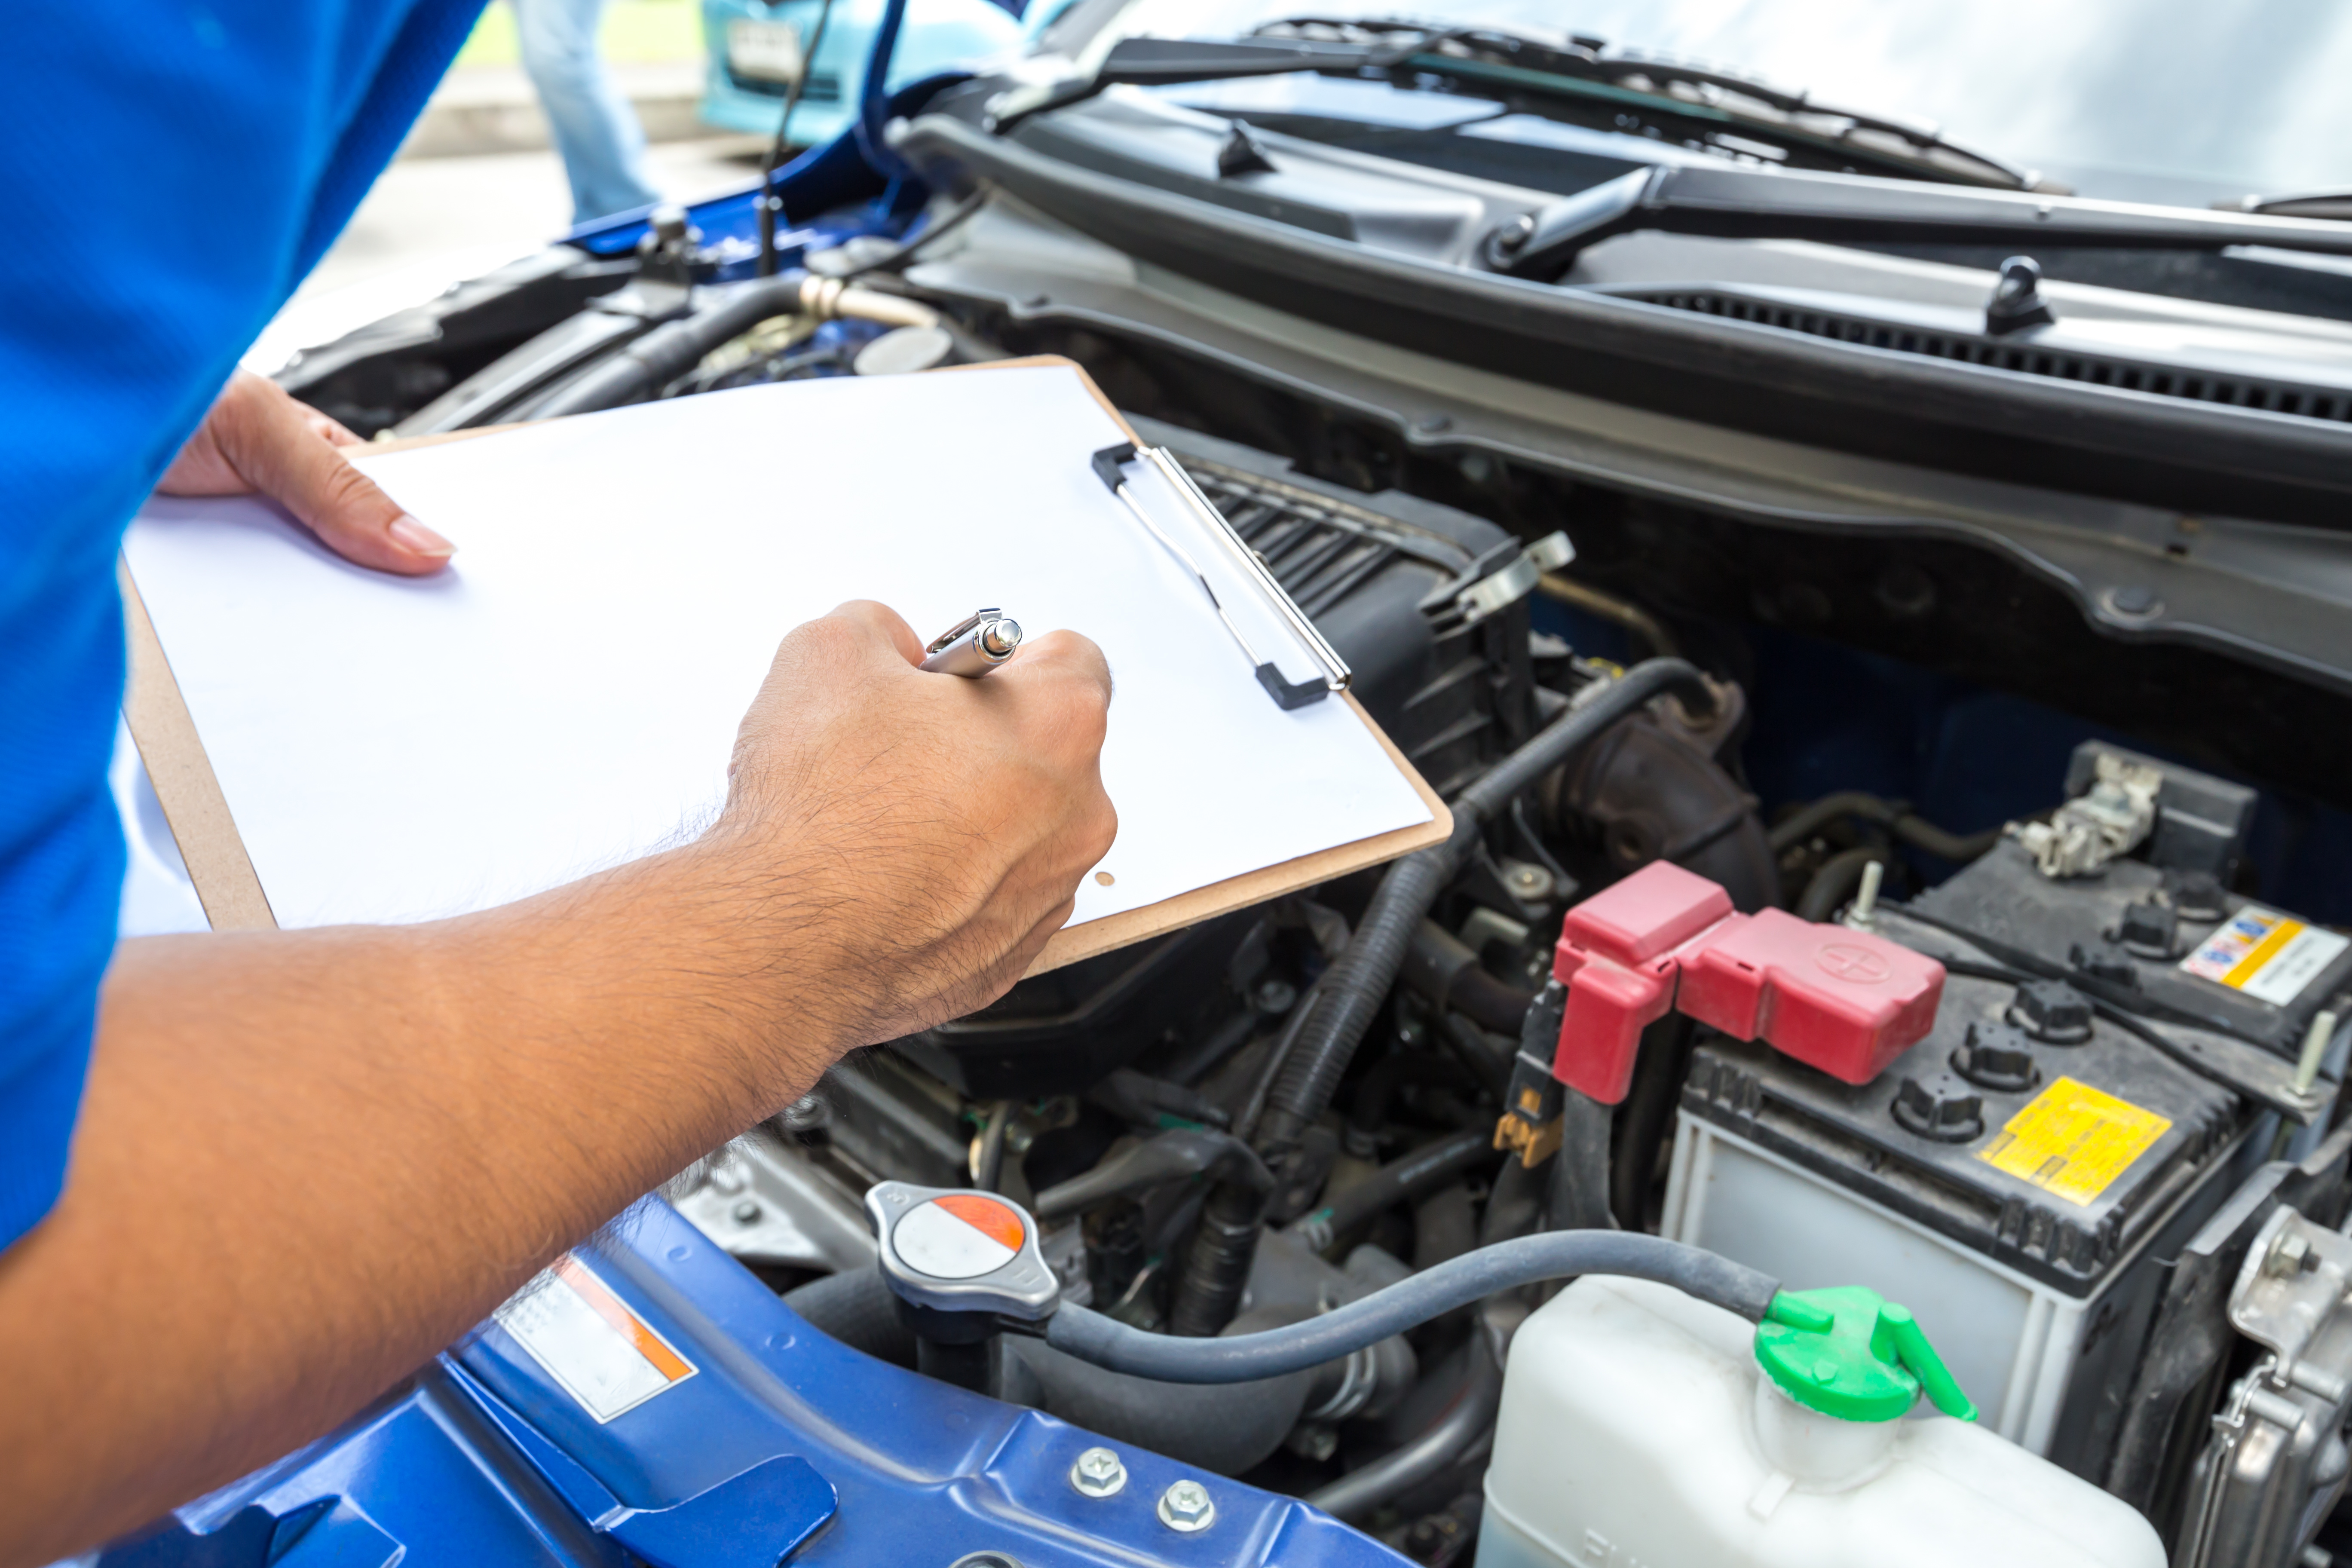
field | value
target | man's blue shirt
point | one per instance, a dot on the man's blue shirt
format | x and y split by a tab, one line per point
172	170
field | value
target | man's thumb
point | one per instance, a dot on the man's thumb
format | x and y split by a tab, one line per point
283	456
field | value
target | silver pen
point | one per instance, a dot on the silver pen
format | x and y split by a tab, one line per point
973	646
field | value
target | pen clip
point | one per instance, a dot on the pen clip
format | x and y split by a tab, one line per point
962	626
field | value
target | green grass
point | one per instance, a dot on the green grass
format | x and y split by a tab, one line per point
632	30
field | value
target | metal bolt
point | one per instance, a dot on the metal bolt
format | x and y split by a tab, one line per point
1098	1473
1186	1506
2290	1255
1863	913
747	1212
2316	1041
1275	997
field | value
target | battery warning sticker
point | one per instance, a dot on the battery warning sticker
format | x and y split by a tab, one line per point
2269	956
604	1355
2073	1140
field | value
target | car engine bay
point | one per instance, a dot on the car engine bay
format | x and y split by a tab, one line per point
1866	627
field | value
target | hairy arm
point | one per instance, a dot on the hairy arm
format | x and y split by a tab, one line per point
307	1161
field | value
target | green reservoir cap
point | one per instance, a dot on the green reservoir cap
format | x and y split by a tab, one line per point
1852	1353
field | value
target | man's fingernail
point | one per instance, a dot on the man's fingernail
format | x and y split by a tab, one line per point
411	534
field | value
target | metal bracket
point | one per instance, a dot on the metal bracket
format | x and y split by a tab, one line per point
1486	589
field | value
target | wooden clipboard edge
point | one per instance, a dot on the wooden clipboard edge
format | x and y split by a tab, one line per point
1072	943
185	785
230	890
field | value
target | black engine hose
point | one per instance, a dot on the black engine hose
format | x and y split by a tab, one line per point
666	353
1835	882
1439	965
1216	1269
1470	1417
1226	1430
1376	1089
1529	1259
1423	1171
1353	989
1659	1065
857	1307
1893	815
1174	1155
1579	1199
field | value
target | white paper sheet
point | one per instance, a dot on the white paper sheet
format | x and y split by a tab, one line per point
565	696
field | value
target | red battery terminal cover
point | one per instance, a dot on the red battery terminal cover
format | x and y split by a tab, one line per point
1665	940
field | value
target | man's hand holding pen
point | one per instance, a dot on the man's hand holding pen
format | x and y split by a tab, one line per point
914	841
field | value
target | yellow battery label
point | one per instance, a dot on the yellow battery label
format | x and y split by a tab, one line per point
2073	1141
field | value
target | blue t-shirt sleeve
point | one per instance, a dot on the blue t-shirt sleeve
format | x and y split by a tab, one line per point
174	167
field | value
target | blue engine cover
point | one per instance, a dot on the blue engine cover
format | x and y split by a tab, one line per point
781	1444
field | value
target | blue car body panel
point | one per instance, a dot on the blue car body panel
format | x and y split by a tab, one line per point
783	1445
940	36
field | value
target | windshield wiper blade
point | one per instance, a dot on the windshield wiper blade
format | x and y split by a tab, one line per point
2334	204
1722	108
1710	95
1777	203
1147	62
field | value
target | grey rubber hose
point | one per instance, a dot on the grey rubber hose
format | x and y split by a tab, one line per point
1528	1259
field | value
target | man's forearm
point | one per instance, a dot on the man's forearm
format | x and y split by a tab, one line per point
307	1161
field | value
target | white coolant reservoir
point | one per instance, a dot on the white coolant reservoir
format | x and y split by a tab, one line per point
1643	1429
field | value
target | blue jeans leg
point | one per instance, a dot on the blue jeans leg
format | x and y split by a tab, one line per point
597	133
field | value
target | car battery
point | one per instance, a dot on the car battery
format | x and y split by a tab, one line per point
2019	1178
2024	1174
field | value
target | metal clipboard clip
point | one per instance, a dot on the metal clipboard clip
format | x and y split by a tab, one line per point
1110	465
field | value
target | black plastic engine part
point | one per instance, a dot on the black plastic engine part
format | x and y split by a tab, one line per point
371	378
1072	1027
1452	698
2200	821
1653	789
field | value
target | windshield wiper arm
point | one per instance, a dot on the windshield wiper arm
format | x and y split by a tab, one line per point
1774	203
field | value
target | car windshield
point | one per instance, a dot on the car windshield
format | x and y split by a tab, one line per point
2189	101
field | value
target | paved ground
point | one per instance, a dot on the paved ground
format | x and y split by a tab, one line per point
432	221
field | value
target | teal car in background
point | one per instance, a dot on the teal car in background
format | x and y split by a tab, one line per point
756	49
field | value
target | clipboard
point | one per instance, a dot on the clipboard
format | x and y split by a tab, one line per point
227	883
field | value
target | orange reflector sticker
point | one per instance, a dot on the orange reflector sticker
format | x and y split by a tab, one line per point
589	1340
997	1221
632	1328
